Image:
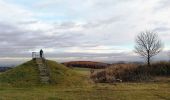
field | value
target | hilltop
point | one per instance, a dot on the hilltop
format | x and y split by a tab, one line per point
27	74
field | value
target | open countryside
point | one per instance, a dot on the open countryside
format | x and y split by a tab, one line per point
84	50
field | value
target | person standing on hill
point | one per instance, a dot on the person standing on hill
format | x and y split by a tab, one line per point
41	53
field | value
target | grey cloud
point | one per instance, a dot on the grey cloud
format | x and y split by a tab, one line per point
65	25
161	29
15	41
91	55
123	56
163	4
28	22
104	23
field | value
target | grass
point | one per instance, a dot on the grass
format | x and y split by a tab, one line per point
63	76
84	71
27	75
119	91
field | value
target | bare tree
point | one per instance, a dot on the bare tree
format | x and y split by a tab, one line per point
148	45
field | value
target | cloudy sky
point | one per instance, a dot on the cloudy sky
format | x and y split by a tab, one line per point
102	30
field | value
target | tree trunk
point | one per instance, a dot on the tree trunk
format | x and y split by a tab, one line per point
148	58
149	61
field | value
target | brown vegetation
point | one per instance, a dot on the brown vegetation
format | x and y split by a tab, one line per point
86	64
131	72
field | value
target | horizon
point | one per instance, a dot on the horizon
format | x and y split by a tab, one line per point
92	30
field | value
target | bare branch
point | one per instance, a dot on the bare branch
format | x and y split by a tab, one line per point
148	45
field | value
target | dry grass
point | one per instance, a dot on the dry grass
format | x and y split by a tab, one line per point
118	91
131	72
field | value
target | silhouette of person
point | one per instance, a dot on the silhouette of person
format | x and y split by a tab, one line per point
41	53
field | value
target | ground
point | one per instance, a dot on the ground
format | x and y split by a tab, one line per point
102	91
119	91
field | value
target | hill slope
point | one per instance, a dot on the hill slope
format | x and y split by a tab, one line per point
27	74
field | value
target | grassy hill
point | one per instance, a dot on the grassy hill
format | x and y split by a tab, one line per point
27	74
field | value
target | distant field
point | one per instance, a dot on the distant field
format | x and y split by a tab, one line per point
119	91
85	71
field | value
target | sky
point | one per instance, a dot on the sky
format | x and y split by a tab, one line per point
67	30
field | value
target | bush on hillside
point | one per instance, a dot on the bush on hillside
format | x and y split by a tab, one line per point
160	69
131	72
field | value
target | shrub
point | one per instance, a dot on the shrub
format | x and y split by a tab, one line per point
131	72
160	68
